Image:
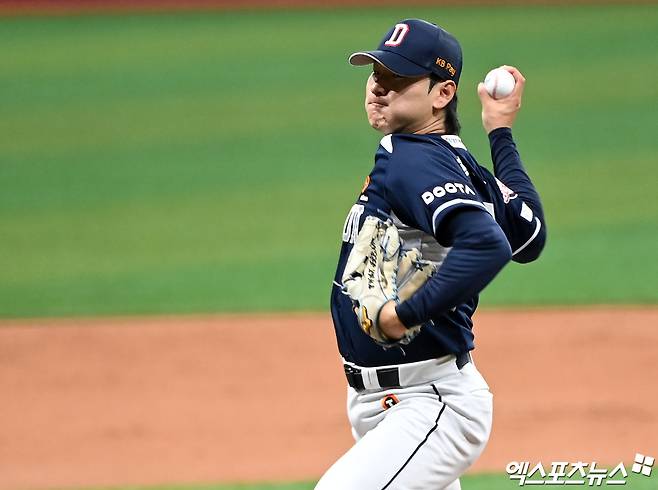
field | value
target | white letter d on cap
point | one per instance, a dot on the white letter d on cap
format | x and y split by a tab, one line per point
398	35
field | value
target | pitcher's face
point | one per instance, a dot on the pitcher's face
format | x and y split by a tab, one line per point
396	104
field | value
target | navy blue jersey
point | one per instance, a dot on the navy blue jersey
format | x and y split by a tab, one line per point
418	181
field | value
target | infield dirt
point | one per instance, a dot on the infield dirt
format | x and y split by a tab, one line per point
105	402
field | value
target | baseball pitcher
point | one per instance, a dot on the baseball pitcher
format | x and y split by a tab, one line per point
427	232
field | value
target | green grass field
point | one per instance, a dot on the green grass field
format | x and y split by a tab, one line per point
205	162
468	482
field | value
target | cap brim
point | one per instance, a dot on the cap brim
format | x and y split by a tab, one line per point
393	61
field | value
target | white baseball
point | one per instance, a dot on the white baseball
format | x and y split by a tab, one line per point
499	83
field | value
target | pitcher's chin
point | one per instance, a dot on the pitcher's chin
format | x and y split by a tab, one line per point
378	122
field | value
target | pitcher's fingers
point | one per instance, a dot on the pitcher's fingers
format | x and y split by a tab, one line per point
483	94
516	73
519	80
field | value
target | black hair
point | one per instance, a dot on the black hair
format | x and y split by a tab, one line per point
451	117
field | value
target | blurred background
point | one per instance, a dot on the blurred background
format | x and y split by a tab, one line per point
161	158
204	161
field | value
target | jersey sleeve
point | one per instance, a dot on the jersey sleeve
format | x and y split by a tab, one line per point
523	215
425	183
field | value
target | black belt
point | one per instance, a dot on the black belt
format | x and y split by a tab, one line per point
390	377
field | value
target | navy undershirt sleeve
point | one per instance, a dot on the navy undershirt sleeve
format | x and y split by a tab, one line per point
479	251
509	169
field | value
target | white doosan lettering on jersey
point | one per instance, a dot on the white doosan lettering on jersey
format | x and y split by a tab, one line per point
398	35
351	226
449	188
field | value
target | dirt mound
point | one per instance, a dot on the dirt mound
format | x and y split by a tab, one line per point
227	398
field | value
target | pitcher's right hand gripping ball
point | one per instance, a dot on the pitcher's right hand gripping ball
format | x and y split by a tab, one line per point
378	271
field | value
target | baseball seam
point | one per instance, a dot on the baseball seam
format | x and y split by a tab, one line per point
495	85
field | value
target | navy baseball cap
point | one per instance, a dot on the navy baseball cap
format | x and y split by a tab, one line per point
415	47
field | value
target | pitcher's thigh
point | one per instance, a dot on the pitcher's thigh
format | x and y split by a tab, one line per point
418	446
